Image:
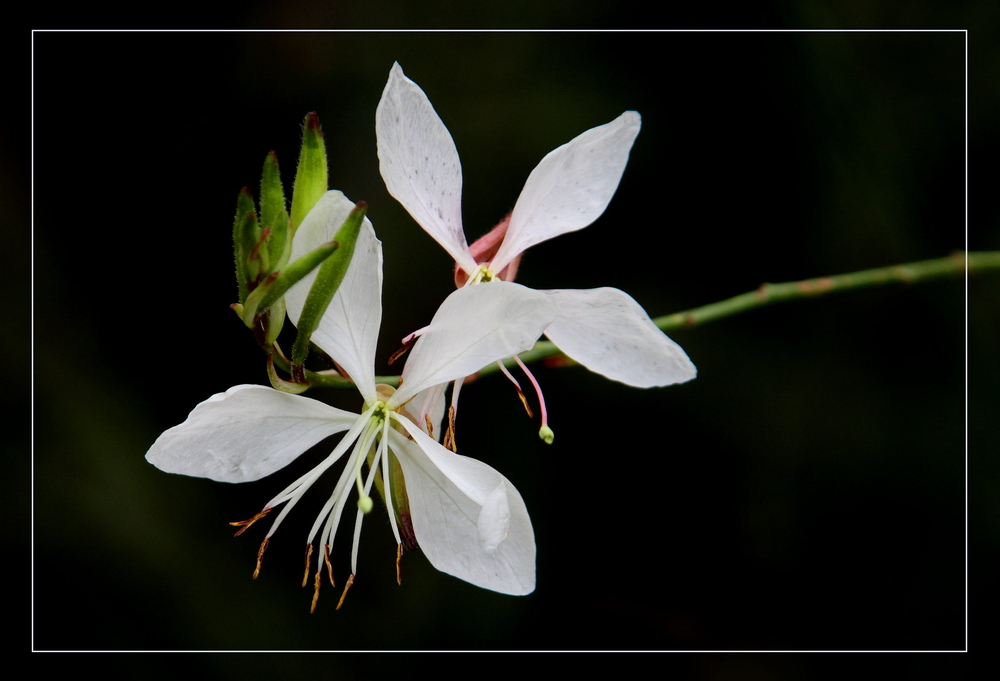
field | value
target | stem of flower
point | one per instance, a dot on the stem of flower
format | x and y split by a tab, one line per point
960	262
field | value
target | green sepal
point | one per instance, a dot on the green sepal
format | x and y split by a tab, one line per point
245	235
328	279
273	213
259	262
276	319
278	383
311	176
278	282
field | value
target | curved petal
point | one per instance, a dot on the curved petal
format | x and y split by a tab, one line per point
469	520
570	187
605	330
419	163
475	326
245	433
348	330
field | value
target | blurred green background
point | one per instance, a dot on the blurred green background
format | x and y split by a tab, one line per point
806	491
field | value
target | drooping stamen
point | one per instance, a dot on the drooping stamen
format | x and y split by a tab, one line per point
334	506
309	553
408	342
387	490
544	432
520	393
318	583
449	435
297	489
244	525
260	556
350	580
360	515
399	556
329	567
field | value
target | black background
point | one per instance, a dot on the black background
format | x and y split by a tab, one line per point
806	491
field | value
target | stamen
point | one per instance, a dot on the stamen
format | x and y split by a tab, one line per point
318	582
399	556
350	580
360	515
430	426
399	353
245	524
329	567
386	482
309	553
260	555
545	432
520	393
449	435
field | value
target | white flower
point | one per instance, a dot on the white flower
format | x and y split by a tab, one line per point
604	329
469	520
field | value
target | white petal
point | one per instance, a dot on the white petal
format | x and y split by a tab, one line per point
570	187
431	402
245	433
348	330
493	524
605	330
475	326
419	163
469	520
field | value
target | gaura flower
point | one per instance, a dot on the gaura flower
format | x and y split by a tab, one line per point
469	519
603	329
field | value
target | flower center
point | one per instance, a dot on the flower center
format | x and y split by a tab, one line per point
482	274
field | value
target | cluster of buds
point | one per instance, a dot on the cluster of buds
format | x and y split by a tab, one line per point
262	244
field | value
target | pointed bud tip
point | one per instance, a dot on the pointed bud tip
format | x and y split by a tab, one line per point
312	123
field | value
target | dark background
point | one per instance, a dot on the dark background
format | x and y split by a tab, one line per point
806	491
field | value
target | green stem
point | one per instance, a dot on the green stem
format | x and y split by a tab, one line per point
768	294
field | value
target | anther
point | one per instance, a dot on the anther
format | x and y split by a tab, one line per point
350	580
329	567
318	582
449	435
517	386
399	353
430	426
399	556
260	555
309	553
244	524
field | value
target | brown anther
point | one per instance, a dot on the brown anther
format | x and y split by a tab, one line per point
350	580
399	556
402	351
524	401
430	426
329	567
318	582
260	555
309	554
449	434
244	524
